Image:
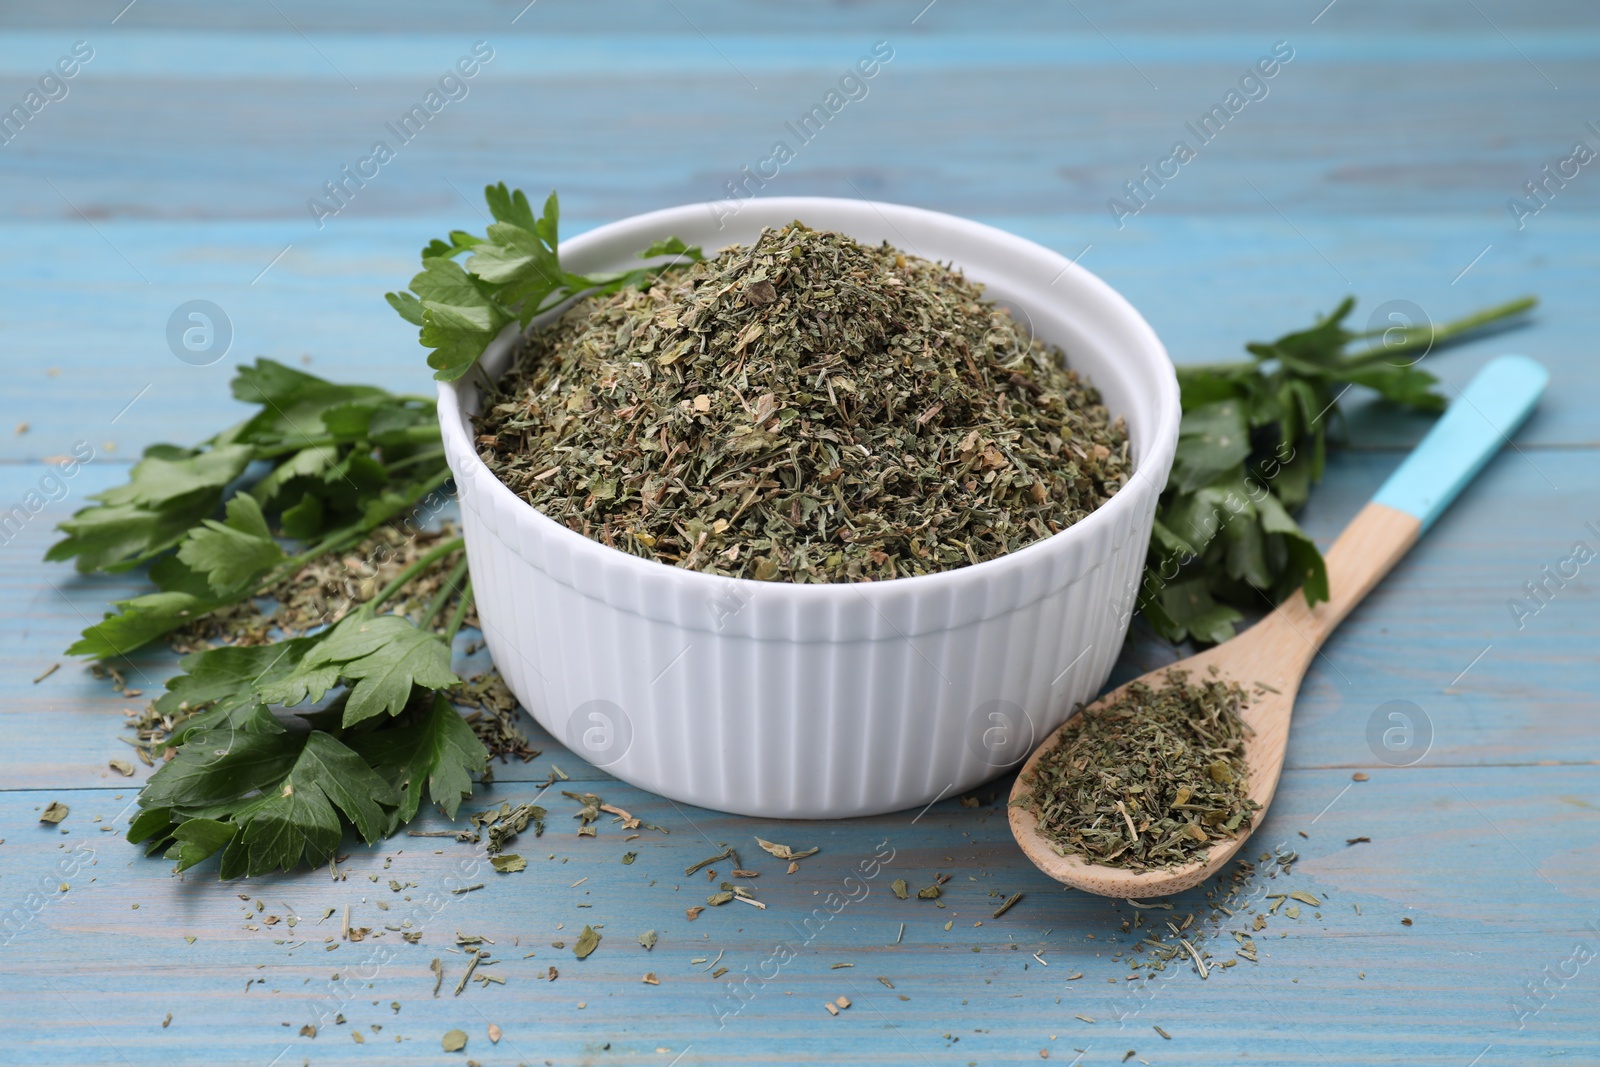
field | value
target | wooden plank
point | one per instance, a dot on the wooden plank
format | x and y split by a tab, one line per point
730	16
109	957
549	48
1438	632
1394	154
323	301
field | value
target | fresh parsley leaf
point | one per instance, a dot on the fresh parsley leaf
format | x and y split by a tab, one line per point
513	272
305	519
296	822
1303	565
511	205
432	749
340	461
1214	438
518	259
151	827
385	657
292	404
167	493
1189	609
406	304
458	320
1404	385
184	597
233	676
196	839
224	764
233	552
267	796
303	465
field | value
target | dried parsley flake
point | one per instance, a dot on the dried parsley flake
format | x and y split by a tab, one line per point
804	409
1149	779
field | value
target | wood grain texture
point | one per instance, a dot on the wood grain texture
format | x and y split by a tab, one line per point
1249	278
1484	920
1379	164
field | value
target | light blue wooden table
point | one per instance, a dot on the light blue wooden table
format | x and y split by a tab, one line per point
178	164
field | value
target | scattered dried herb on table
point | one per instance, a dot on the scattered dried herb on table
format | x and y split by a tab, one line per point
329	587
495	720
1147	780
804	409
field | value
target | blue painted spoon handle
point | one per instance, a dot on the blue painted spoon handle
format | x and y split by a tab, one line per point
1477	423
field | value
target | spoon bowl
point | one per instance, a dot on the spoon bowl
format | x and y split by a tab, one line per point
1268	661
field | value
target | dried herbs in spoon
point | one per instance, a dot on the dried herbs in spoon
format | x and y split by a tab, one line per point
1149	779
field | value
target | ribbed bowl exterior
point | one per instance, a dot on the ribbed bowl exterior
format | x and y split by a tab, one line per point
824	701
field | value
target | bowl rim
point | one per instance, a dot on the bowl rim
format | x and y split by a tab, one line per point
1160	446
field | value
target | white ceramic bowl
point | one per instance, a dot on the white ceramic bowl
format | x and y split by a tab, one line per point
824	701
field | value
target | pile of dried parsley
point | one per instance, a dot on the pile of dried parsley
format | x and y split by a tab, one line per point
1149	779
804	409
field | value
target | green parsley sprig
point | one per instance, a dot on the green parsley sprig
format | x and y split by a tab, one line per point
340	461
277	750
1253	441
327	464
267	791
513	273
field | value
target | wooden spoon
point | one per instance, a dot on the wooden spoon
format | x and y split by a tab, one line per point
1277	650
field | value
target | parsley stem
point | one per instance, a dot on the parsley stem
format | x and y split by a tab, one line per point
1428	336
415	435
460	613
1411	337
420	457
446	587
428	559
348	535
